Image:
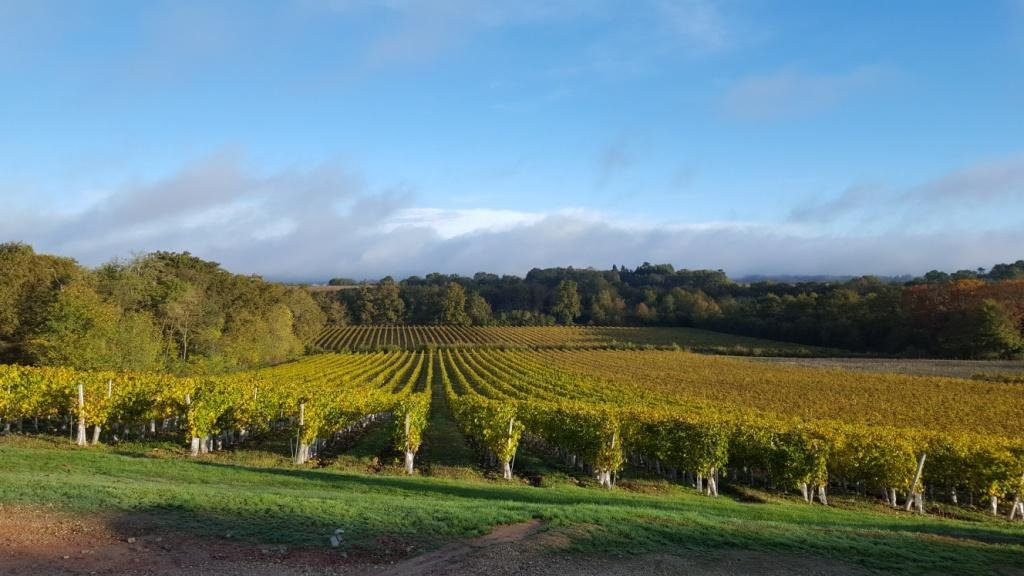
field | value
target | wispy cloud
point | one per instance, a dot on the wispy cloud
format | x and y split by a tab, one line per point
423	31
984	182
790	92
697	23
977	189
851	199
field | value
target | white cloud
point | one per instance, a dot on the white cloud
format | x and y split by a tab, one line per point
312	224
451	223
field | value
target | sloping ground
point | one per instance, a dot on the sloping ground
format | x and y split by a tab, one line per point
37	541
73	511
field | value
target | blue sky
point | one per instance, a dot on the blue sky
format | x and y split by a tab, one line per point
312	138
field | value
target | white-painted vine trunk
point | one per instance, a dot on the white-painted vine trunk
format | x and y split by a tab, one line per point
302	454
96	434
409	457
913	495
81	439
1018	508
995	505
194	450
713	483
803	492
506	470
822	497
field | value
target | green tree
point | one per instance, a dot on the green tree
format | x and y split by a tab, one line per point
334	309
996	335
607	307
135	343
366	310
453	305
567	302
308	319
478	309
29	286
193	322
79	331
388	305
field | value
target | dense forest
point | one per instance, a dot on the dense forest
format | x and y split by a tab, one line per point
966	314
160	311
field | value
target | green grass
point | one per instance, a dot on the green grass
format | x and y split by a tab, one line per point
256	496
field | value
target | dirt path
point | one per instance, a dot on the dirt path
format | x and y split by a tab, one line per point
447	560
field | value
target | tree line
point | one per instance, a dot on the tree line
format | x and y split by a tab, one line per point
964	314
162	311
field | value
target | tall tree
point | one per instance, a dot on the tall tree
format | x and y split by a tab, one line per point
453	305
567	302
478	309
334	309
192	320
308	319
389	308
78	331
607	307
366	310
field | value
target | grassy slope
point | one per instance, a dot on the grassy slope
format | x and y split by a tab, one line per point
258	497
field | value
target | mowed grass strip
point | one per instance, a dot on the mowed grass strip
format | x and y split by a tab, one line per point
278	504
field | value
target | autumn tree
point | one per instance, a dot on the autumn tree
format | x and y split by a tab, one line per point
366	309
567	302
389	308
478	309
453	305
192	321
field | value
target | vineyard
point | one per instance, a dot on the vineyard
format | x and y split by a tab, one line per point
314	399
693	419
413	337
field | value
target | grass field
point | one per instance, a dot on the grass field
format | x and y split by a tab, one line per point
254	496
362	338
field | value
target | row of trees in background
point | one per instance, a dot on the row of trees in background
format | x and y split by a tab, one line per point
968	314
160	311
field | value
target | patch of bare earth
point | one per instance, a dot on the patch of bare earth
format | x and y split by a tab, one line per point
37	541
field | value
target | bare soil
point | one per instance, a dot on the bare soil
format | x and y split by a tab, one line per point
37	541
916	367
